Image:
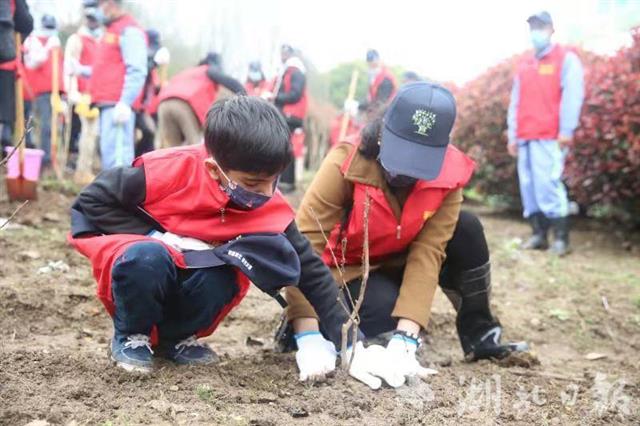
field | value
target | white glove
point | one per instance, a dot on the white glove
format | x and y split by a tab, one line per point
372	363
402	354
162	56
267	95
351	107
180	243
52	43
316	356
121	113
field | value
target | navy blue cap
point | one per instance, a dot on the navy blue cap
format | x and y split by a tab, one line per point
49	22
542	16
268	260
416	130
372	55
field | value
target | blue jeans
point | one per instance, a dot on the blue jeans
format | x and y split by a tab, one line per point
116	140
540	168
148	289
43	111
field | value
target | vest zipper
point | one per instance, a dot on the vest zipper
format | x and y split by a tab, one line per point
398	231
222	214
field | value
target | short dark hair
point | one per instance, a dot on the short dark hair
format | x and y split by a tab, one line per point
248	134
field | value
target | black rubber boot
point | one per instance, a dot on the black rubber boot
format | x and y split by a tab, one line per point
560	246
479	332
540	225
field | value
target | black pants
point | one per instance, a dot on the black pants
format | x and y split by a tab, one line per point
145	144
288	176
466	250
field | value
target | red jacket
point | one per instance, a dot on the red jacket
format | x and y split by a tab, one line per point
183	198
538	114
389	235
375	85
192	86
107	77
298	109
40	79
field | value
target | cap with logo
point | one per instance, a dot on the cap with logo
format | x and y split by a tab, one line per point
416	130
268	260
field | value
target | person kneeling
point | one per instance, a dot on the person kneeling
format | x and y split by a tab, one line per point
411	178
175	239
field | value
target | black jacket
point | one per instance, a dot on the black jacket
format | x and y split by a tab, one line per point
112	205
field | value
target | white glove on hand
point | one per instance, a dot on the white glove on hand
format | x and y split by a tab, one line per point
402	354
52	43
372	363
180	243
162	56
316	356
351	107
121	113
267	95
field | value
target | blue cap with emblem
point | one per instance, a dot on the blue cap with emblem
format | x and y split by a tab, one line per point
416	130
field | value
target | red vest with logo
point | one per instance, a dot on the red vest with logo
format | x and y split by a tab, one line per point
388	235
107	77
87	55
538	113
41	79
382	75
192	86
298	109
10	65
184	199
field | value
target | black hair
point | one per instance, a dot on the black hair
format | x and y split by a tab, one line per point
248	134
370	136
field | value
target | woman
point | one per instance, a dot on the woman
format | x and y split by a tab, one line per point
411	179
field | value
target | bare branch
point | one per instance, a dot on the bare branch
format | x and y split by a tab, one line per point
27	130
15	212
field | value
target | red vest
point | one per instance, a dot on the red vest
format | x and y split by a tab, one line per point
299	109
538	111
185	200
107	77
192	86
87	55
388	235
382	75
40	79
253	89
10	65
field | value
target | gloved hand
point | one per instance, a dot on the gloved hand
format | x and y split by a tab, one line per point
402	354
162	56
121	113
351	107
316	356
267	95
373	363
180	243
52	43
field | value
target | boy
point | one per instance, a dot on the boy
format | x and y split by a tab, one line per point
175	239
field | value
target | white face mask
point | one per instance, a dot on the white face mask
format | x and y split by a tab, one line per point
255	75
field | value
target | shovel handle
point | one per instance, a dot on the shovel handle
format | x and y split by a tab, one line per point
19	123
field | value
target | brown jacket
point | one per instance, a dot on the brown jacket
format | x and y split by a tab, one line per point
330	194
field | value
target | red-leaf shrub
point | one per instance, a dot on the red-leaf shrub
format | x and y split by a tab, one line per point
603	170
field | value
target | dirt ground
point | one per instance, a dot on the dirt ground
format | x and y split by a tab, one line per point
581	316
